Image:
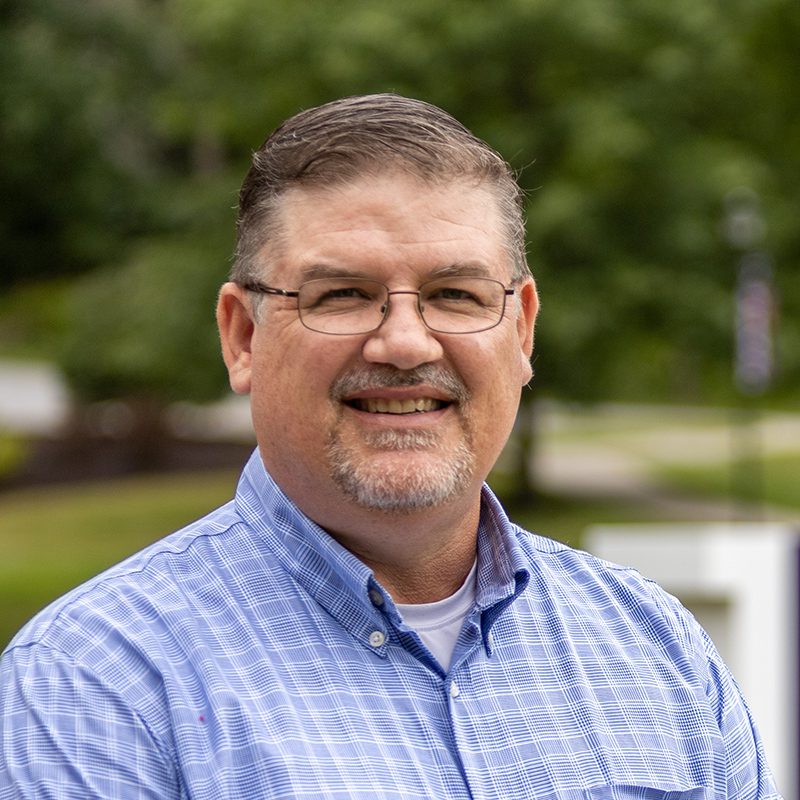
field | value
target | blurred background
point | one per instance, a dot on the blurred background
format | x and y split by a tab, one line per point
657	144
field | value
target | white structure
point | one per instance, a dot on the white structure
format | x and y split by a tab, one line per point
741	581
33	397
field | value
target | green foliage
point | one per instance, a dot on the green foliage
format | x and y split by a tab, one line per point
74	132
12	453
32	318
145	328
629	121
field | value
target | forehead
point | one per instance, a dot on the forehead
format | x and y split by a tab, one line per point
382	223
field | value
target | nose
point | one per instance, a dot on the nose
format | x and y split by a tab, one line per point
402	339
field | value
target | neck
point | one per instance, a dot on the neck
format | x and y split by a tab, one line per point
418	558
428	581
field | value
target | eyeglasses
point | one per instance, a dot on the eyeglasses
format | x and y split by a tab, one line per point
342	306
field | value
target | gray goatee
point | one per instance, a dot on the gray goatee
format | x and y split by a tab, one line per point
424	482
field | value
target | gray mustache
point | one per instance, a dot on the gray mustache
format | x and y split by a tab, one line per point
384	377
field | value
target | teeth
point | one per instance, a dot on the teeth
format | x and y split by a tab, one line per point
394	406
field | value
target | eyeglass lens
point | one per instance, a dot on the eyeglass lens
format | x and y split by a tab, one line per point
356	305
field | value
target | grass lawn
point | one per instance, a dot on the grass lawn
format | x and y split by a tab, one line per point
54	538
773	480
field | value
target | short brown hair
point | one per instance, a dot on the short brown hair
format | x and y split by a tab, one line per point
348	138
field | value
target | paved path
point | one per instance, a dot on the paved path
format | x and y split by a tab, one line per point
613	451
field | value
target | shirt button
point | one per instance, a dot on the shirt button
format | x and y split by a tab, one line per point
377	638
454	690
376	597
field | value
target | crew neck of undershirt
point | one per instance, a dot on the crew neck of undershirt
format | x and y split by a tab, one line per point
438	624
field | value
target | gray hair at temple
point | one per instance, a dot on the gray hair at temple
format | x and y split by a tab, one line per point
354	137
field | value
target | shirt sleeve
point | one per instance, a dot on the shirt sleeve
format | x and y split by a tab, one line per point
64	733
748	773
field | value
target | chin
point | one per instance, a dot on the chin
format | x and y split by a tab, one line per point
400	484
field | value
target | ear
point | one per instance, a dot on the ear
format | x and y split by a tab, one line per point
236	328
526	321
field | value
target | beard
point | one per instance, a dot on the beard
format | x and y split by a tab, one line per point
419	470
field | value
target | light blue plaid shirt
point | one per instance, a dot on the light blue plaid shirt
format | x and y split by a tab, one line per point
251	656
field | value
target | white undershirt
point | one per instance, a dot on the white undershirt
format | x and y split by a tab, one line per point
438	624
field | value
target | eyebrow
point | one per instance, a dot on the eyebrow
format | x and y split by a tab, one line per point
316	271
472	269
460	269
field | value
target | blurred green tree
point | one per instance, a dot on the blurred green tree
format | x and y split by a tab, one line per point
76	140
629	122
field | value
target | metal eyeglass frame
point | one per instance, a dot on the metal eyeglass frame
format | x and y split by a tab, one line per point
262	288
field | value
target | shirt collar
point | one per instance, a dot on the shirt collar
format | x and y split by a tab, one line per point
344	585
503	565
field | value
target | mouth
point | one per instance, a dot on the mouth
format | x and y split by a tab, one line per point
410	405
413	397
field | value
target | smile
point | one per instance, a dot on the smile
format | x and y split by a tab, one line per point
397	406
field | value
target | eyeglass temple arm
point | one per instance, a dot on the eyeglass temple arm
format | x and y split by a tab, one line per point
262	288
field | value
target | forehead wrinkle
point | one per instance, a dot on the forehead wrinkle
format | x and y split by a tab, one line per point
488	222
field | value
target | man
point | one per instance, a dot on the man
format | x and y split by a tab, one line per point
363	621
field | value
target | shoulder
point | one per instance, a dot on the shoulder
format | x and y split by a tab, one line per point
129	598
142	629
591	596
579	567
579	583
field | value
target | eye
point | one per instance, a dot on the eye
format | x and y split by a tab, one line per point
338	295
452	295
346	293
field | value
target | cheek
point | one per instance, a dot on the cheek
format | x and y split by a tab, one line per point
291	384
495	377
497	372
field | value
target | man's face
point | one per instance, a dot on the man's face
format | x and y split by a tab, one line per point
402	418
